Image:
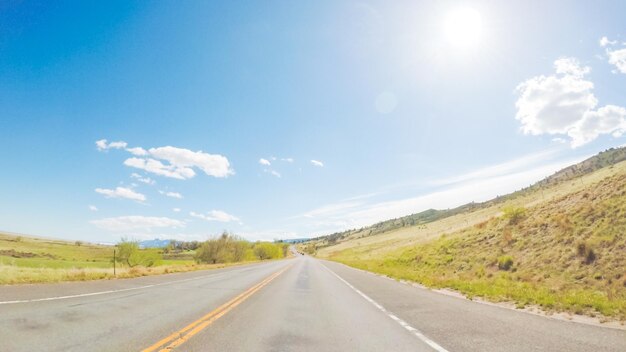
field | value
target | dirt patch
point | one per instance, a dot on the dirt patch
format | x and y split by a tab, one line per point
15	254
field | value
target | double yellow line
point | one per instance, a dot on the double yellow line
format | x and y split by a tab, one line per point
181	336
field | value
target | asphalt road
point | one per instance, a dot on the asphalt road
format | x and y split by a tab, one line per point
300	304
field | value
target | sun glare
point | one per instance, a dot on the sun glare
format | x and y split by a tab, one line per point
463	27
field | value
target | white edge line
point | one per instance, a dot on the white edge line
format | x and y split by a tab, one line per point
115	291
402	323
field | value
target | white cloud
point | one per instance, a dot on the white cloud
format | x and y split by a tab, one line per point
180	161
604	41
605	120
157	167
179	236
617	58
146	180
212	164
121	192
571	66
139	151
93	208
264	162
176	210
104	145
172	194
134	222
289	160
317	163
564	104
268	235
215	215
101	144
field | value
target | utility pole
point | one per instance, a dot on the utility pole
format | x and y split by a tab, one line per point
114	262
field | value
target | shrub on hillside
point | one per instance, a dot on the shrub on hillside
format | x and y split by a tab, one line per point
586	252
514	214
505	262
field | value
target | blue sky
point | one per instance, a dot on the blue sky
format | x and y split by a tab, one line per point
292	119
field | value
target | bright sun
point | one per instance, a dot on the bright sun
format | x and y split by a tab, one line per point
463	27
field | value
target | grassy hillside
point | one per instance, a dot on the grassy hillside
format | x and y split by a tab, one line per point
34	252
561	246
575	172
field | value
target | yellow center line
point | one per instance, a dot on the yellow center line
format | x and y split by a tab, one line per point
181	336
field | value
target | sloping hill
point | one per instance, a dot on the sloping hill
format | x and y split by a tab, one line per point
561	245
604	159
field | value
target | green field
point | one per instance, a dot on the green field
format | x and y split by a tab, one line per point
561	246
25	259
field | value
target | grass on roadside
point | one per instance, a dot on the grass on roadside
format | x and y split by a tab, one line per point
11	274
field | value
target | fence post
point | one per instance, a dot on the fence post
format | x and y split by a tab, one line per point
114	274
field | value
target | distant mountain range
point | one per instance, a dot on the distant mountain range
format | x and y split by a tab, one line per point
296	240
155	243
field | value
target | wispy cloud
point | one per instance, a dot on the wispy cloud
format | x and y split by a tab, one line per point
103	144
135	222
172	194
121	192
146	180
158	168
268	235
215	215
317	163
332	209
479	185
264	162
93	208
501	169
273	173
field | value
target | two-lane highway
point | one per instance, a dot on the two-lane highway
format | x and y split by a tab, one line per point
301	304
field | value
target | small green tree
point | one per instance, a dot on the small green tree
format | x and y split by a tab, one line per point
261	252
239	249
219	250
127	252
266	250
130	254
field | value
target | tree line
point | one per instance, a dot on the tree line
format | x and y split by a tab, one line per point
227	248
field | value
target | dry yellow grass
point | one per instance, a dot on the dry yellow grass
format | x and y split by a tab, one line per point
565	250
374	246
11	274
